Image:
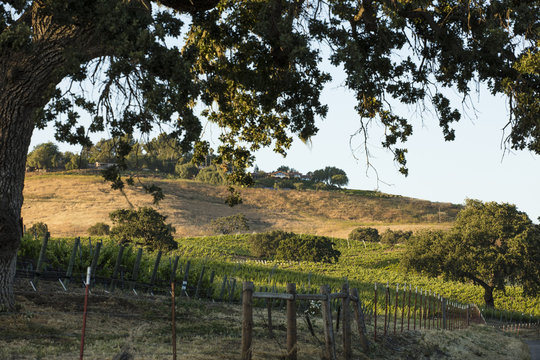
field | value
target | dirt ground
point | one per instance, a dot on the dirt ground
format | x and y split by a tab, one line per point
48	325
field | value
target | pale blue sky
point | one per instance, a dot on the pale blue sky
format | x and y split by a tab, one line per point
472	166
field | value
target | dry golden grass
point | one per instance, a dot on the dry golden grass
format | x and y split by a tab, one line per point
48	326
69	204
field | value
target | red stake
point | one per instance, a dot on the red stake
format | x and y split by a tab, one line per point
84	312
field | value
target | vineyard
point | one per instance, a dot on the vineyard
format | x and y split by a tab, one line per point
215	267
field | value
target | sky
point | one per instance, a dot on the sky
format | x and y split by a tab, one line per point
473	166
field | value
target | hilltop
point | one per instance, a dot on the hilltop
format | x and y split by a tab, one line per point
70	203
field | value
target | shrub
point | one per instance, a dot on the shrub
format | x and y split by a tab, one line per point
230	224
392	238
144	227
264	245
99	229
308	248
211	175
365	234
38	229
186	171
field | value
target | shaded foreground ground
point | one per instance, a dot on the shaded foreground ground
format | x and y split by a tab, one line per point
48	326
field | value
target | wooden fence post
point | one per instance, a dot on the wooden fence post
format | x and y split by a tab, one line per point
330	353
154	272
247	319
291	323
387	295
346	320
136	266
375	315
186	278
41	257
95	261
69	272
360	321
222	292
414	315
173	315
409	309
396	308
199	283
174	268
444	325
233	287
116	267
403	306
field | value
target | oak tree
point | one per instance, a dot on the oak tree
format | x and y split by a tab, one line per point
254	67
492	245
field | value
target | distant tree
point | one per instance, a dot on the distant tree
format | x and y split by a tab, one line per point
211	175
74	161
284	168
186	171
325	175
144	226
38	229
299	186
264	245
45	156
163	153
492	245
230	224
308	248
364	234
391	237
103	151
99	229
339	180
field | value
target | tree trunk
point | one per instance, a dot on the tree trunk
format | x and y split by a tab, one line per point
488	296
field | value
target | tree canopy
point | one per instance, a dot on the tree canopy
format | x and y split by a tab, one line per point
491	244
254	68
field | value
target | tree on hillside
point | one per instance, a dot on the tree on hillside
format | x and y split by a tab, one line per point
490	244
327	174
254	67
45	156
339	180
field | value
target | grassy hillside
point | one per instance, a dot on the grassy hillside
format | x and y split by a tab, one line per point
70	203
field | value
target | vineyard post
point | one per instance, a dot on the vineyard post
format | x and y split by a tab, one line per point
360	321
173	316
223	288
87	285
330	353
233	287
154	272
291	323
269	312
93	266
174	268
375	315
116	267
346	320
386	307
211	284
429	312
415	296
199	283
136	266
409	310
403	306
41	258
396	307
247	319
468	314
443	302
186	277
421	309
69	272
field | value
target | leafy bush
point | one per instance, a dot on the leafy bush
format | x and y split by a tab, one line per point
145	227
99	229
308	248
186	171
390	237
264	245
38	229
290	246
211	175
365	234
230	224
